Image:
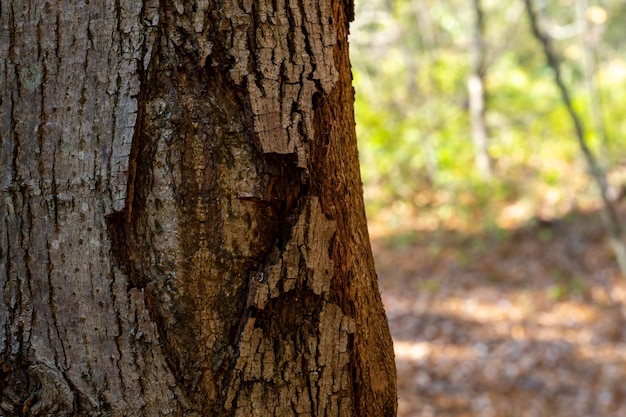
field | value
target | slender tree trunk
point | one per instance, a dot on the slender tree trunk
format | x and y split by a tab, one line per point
477	94
589	66
610	217
182	230
428	43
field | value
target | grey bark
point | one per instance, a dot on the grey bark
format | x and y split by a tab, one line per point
589	45
477	94
182	229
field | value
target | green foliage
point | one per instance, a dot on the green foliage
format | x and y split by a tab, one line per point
566	288
411	65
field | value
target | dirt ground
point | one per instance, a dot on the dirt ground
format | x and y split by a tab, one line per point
506	323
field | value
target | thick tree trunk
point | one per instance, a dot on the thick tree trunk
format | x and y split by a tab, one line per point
182	230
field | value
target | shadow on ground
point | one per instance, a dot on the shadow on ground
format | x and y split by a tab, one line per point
521	323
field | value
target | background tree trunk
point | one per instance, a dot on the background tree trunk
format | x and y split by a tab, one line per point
477	94
182	229
610	216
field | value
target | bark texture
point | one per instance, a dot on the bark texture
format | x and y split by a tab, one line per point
182	230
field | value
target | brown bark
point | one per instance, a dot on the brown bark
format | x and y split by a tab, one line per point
182	229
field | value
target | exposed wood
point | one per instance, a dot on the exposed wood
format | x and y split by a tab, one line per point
182	229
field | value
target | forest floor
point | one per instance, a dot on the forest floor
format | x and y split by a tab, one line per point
521	322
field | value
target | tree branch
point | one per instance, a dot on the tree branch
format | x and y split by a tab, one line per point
610	218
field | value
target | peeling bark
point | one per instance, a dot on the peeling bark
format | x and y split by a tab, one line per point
182	229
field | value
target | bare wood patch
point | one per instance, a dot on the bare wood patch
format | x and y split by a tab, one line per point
293	60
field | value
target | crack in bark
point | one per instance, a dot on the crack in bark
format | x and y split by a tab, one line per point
60	336
222	280
299	272
288	41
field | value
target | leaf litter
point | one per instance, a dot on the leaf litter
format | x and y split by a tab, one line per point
529	322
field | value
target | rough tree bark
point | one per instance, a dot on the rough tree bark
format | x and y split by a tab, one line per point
182	229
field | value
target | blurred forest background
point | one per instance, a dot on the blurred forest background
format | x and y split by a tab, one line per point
503	295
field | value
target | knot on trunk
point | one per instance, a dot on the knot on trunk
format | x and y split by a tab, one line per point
34	390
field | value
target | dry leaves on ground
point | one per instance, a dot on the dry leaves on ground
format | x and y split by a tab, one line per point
527	323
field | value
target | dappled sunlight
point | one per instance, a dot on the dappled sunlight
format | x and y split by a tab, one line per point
482	311
568	313
412	351
526	323
419	351
515	214
503	295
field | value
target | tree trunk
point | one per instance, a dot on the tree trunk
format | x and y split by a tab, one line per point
182	230
477	94
589	43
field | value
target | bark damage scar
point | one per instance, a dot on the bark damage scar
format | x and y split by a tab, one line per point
308	246
305	369
299	374
292	61
136	41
